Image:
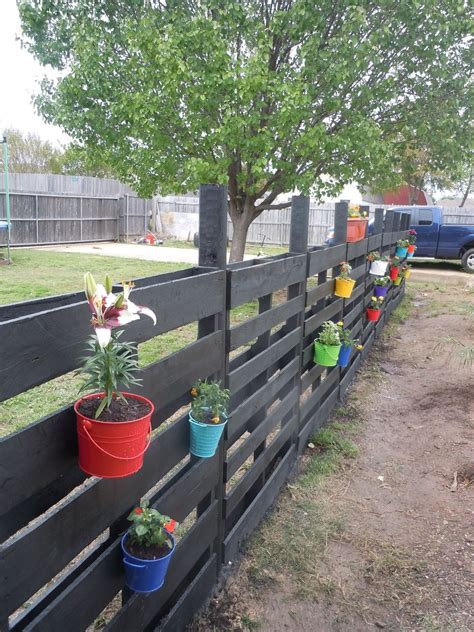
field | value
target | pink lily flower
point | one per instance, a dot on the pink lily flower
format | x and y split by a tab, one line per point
109	310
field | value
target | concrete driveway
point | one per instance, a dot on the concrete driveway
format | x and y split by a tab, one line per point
133	251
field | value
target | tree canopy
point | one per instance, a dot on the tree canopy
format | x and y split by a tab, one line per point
29	153
267	96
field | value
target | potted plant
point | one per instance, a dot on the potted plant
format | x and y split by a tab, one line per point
207	417
356	223
347	343
381	286
147	549
374	308
327	345
412	241
394	268
378	263
399	279
402	248
113	427
344	283
406	271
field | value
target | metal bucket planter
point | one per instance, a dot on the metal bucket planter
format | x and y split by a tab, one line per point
145	576
380	290
344	355
373	314
401	252
344	287
378	267
205	437
326	355
112	449
407	274
398	280
411	250
393	272
356	228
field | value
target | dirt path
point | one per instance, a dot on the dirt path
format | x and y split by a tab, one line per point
382	542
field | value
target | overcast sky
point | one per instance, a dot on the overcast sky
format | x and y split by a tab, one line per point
19	75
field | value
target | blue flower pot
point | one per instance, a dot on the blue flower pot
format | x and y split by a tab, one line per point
344	355
401	252
145	576
205	437
380	290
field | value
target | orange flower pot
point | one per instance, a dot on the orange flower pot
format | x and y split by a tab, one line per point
411	249
356	229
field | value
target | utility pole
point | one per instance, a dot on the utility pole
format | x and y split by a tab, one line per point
7	197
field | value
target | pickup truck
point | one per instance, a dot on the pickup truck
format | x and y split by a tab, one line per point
435	239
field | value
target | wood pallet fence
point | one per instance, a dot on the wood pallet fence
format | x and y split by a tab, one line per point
60	563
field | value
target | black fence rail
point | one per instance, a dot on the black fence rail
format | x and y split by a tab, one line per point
60	562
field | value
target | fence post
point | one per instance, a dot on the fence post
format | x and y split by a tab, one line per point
299	224
340	222
396	222
378	221
365	208
213	253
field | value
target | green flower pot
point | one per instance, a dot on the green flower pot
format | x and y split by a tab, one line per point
326	355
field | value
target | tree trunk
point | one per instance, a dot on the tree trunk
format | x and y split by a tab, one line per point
468	190
240	224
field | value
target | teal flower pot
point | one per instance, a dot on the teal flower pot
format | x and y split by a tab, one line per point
401	252
205	437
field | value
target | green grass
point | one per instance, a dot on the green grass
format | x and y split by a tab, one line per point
38	273
250	249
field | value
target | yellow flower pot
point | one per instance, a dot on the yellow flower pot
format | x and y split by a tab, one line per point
398	280
406	274
344	287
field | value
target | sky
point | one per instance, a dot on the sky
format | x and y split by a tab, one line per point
20	73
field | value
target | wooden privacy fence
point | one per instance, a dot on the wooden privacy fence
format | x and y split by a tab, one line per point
45	218
60	563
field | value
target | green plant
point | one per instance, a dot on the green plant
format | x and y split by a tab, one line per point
412	236
112	362
149	527
375	302
395	262
346	338
376	256
354	212
210	401
403	243
382	281
329	334
345	270
464	352
405	268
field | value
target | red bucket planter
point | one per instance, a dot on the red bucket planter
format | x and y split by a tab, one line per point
356	229
411	249
393	272
112	449
373	314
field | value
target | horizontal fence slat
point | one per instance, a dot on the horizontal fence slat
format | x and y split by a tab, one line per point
313	322
320	260
356	249
44	345
264	278
324	289
262	361
258	325
258	508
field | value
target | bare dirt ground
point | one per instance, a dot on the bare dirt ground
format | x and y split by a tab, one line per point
383	541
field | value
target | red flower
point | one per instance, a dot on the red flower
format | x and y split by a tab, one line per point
169	526
138	510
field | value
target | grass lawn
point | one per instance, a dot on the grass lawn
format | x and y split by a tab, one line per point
250	249
37	273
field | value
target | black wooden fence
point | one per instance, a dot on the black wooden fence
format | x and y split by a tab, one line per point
60	564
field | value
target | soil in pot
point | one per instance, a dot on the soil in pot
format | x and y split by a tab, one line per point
147	552
119	410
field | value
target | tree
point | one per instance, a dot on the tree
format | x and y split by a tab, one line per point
78	160
266	96
29	153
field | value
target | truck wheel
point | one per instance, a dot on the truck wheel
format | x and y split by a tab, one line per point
467	261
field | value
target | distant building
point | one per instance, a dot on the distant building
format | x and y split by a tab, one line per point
400	197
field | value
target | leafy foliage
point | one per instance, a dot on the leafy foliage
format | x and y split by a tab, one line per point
209	401
346	338
345	270
375	302
382	281
329	334
29	153
149	527
266	96
109	368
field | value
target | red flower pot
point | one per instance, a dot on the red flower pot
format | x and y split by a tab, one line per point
393	273
112	449
411	249
356	229
373	314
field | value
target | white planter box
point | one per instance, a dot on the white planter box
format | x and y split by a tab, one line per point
378	268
